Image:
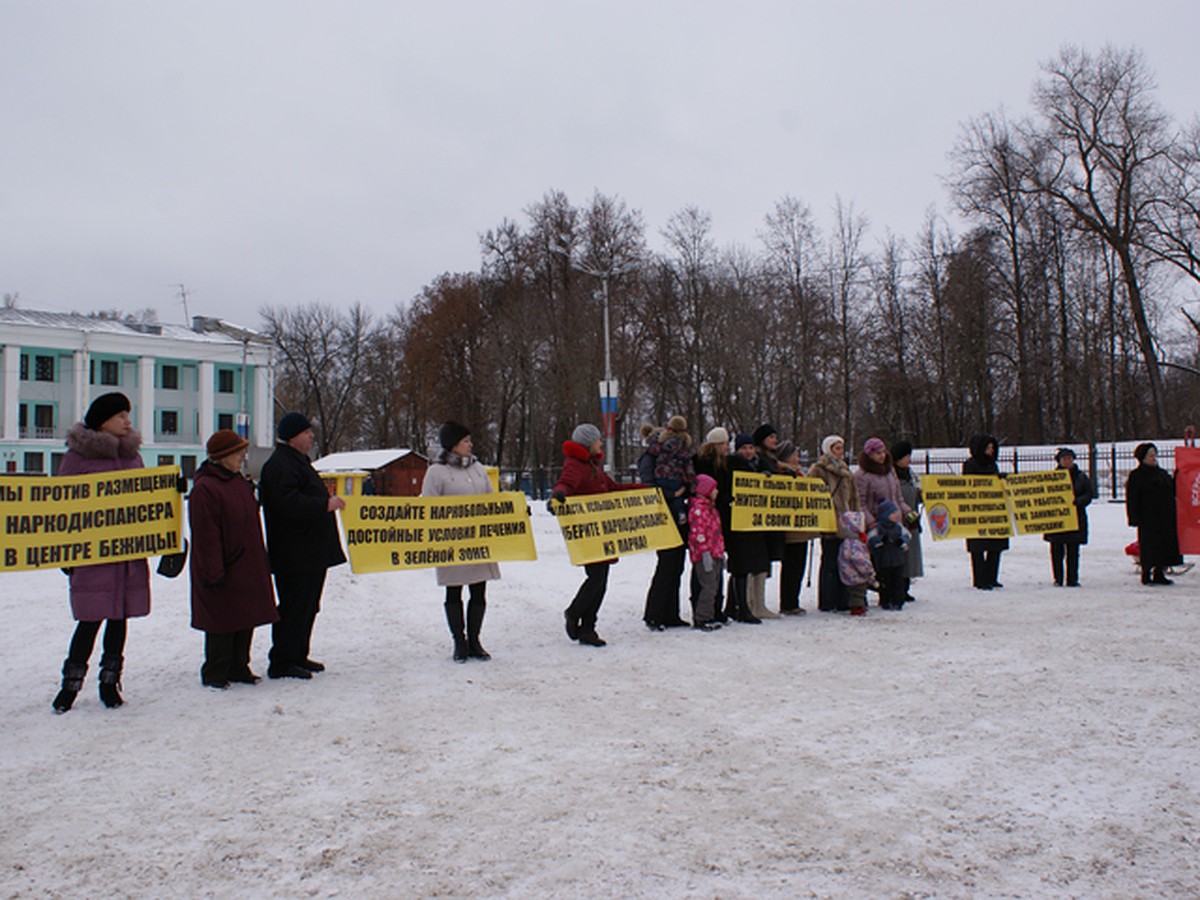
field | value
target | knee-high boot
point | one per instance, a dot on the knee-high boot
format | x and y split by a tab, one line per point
110	680
476	607
72	683
454	618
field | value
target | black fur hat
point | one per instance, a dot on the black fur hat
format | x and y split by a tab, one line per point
104	408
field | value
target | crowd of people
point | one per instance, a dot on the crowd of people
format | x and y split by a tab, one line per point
877	544
232	562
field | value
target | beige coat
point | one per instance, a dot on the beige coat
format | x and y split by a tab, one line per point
446	480
837	475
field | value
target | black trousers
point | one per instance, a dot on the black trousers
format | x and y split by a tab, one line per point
299	602
985	568
1061	553
83	641
831	593
791	575
662	600
586	605
226	655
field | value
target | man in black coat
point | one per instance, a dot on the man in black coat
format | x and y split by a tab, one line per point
302	542
985	552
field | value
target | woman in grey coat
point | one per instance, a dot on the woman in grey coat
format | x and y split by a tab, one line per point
910	490
456	471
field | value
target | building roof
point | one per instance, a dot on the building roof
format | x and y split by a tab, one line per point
36	318
359	460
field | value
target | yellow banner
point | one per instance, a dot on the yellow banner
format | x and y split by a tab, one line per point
386	534
604	526
1042	502
85	520
966	506
781	503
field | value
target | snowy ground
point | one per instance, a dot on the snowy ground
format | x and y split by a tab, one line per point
1030	742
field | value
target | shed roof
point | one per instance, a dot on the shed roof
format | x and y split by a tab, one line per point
359	460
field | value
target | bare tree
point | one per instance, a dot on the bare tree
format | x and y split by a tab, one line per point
1100	152
321	354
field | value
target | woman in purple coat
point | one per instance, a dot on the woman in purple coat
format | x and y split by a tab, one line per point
231	579
105	441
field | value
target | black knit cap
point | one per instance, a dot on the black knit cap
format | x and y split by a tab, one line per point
292	424
104	408
451	433
1141	450
901	449
764	431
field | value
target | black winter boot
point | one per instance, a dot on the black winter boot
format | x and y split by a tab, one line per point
475	610
110	680
741	606
72	682
454	618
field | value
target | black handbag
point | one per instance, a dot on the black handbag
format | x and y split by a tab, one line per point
171	564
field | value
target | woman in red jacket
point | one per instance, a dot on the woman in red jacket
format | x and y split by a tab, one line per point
582	474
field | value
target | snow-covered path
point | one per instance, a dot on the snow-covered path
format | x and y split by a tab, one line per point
1030	742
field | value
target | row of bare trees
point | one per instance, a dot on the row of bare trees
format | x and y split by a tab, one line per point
1053	317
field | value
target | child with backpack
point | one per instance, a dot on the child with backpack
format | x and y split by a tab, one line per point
855	569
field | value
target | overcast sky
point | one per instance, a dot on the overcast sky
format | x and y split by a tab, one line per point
282	152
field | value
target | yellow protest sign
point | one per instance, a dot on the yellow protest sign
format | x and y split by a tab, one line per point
1042	502
386	534
781	503
966	506
603	526
84	520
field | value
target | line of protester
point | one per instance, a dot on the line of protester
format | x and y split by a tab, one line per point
877	545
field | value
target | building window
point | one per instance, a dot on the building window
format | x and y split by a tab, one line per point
24	367
34	462
43	421
23	418
168	422
110	371
225	420
43	368
165	459
55	463
188	465
170	378
225	381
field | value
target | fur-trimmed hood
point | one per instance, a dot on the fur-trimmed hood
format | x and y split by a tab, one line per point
102	445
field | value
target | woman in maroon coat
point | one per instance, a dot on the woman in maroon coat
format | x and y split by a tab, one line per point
105	441
582	474
231	579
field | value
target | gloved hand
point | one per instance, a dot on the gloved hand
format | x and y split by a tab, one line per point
181	484
707	561
556	500
912	518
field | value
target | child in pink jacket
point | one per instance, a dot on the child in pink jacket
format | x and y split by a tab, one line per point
706	547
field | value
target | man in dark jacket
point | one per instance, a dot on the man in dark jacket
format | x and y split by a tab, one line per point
985	552
302	542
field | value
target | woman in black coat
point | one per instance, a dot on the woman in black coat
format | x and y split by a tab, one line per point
746	552
1064	545
1150	507
985	552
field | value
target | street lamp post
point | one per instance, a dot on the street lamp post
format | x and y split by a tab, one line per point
608	387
